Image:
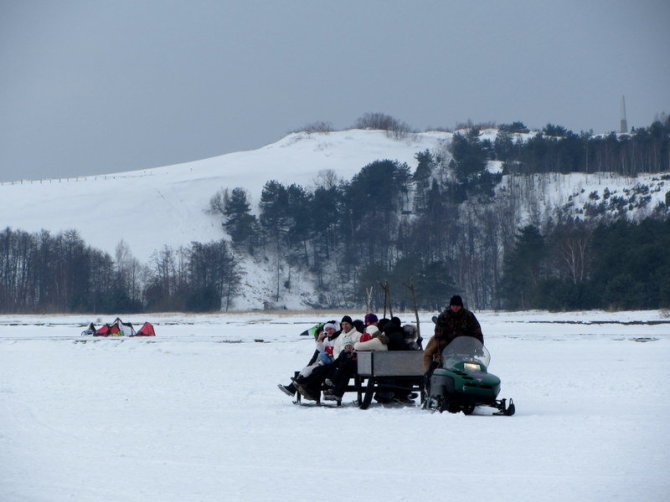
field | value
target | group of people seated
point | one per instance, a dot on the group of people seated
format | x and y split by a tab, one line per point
334	360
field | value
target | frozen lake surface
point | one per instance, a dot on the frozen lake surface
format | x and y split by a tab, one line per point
194	415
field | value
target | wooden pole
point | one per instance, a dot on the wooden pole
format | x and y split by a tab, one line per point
412	289
387	296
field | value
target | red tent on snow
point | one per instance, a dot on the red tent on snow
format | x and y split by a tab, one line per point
147	329
117	328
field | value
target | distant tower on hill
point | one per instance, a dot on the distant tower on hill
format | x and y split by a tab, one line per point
624	122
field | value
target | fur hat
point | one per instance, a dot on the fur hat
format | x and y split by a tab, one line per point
411	335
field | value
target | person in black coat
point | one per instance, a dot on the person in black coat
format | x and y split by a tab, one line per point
395	335
455	321
396	339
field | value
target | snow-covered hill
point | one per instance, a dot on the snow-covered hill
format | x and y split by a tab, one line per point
152	208
166	206
542	196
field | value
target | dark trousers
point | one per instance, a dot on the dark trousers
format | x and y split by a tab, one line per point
345	368
339	372
314	381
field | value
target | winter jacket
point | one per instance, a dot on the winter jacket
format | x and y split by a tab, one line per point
345	339
374	344
325	345
369	343
323	355
395	335
448	326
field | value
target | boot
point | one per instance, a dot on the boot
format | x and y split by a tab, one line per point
289	390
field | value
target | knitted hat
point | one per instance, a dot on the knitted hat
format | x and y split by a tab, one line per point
456	300
370	318
347	318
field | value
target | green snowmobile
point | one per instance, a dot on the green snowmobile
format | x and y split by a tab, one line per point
462	382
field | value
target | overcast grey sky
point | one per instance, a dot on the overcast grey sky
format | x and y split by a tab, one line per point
93	86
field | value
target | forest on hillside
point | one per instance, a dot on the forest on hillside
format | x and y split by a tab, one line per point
442	229
429	233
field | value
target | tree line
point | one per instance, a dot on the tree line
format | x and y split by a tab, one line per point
623	265
441	227
557	149
41	273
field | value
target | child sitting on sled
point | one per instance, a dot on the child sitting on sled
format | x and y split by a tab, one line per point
324	345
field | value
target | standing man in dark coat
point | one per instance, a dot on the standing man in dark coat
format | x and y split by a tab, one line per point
454	321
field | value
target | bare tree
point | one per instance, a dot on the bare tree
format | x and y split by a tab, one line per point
129	270
571	244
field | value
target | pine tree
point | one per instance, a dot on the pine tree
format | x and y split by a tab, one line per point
212	276
300	220
275	221
522	269
470	156
422	178
240	224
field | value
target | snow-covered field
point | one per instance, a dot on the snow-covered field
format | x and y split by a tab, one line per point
194	415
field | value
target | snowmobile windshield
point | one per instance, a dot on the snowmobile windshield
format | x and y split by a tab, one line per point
465	349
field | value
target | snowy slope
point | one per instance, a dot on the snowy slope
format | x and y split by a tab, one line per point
189	417
154	207
151	208
582	195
